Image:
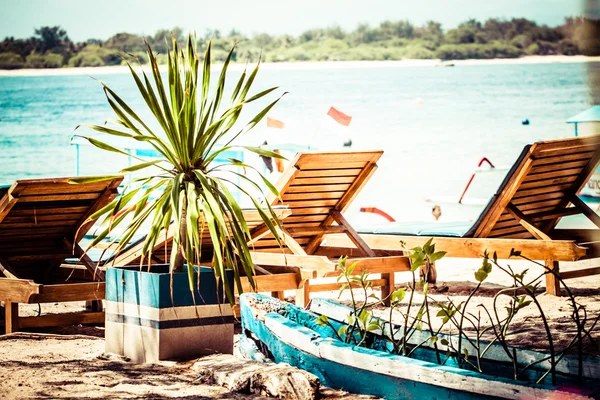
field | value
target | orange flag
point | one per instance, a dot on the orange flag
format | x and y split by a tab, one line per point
275	123
339	116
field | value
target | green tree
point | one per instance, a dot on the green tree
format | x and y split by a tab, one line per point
467	32
125	42
53	39
48	60
22	47
396	29
11	60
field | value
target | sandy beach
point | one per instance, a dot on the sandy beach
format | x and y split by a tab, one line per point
109	70
42	367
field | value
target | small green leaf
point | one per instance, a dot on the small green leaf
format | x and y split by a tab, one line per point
137	167
322	320
437	256
480	275
398	295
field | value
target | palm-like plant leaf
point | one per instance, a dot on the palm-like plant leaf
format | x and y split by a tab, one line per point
190	193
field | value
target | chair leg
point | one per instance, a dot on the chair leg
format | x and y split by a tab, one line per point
428	273
387	290
93	305
278	295
303	294
11	317
552	284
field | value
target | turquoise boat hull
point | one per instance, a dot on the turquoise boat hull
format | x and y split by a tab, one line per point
286	333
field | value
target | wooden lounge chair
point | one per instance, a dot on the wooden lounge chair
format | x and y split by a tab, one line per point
540	189
161	254
40	226
318	188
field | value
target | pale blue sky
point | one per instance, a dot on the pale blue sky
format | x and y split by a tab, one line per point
85	19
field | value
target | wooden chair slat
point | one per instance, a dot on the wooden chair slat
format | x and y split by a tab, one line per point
336	166
337	172
38	224
294	205
542	190
327	180
311	196
62	188
47	210
553	196
542	183
319	188
523	235
558	152
306	218
58	197
564	158
553	174
559	167
33	218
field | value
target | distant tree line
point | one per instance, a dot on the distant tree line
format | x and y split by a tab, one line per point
51	47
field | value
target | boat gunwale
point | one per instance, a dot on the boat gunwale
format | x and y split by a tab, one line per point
310	342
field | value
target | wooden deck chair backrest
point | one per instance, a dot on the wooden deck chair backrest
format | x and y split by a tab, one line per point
540	189
162	250
318	188
39	221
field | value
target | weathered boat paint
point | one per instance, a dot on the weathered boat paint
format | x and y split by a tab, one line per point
145	323
338	313
366	371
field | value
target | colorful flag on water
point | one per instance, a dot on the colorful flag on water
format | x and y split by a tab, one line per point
339	116
275	123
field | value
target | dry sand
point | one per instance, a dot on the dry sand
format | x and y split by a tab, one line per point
98	71
69	363
52	366
76	368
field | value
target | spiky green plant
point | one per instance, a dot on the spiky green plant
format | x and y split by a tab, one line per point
189	188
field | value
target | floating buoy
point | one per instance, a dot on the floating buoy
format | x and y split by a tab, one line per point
525	122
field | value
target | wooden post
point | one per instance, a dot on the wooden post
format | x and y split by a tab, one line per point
303	293
552	284
12	317
93	305
428	273
278	295
389	287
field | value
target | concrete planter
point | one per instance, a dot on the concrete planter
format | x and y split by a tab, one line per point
145	323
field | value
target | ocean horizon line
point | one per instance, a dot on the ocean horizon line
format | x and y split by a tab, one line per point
123	69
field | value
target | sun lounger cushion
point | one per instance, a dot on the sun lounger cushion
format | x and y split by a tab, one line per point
416	228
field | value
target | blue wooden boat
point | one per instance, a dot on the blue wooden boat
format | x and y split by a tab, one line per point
282	332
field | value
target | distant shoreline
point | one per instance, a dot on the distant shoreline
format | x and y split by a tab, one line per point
120	69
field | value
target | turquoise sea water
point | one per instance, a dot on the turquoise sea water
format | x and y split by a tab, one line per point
433	123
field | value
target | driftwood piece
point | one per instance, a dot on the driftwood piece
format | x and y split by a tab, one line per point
273	380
